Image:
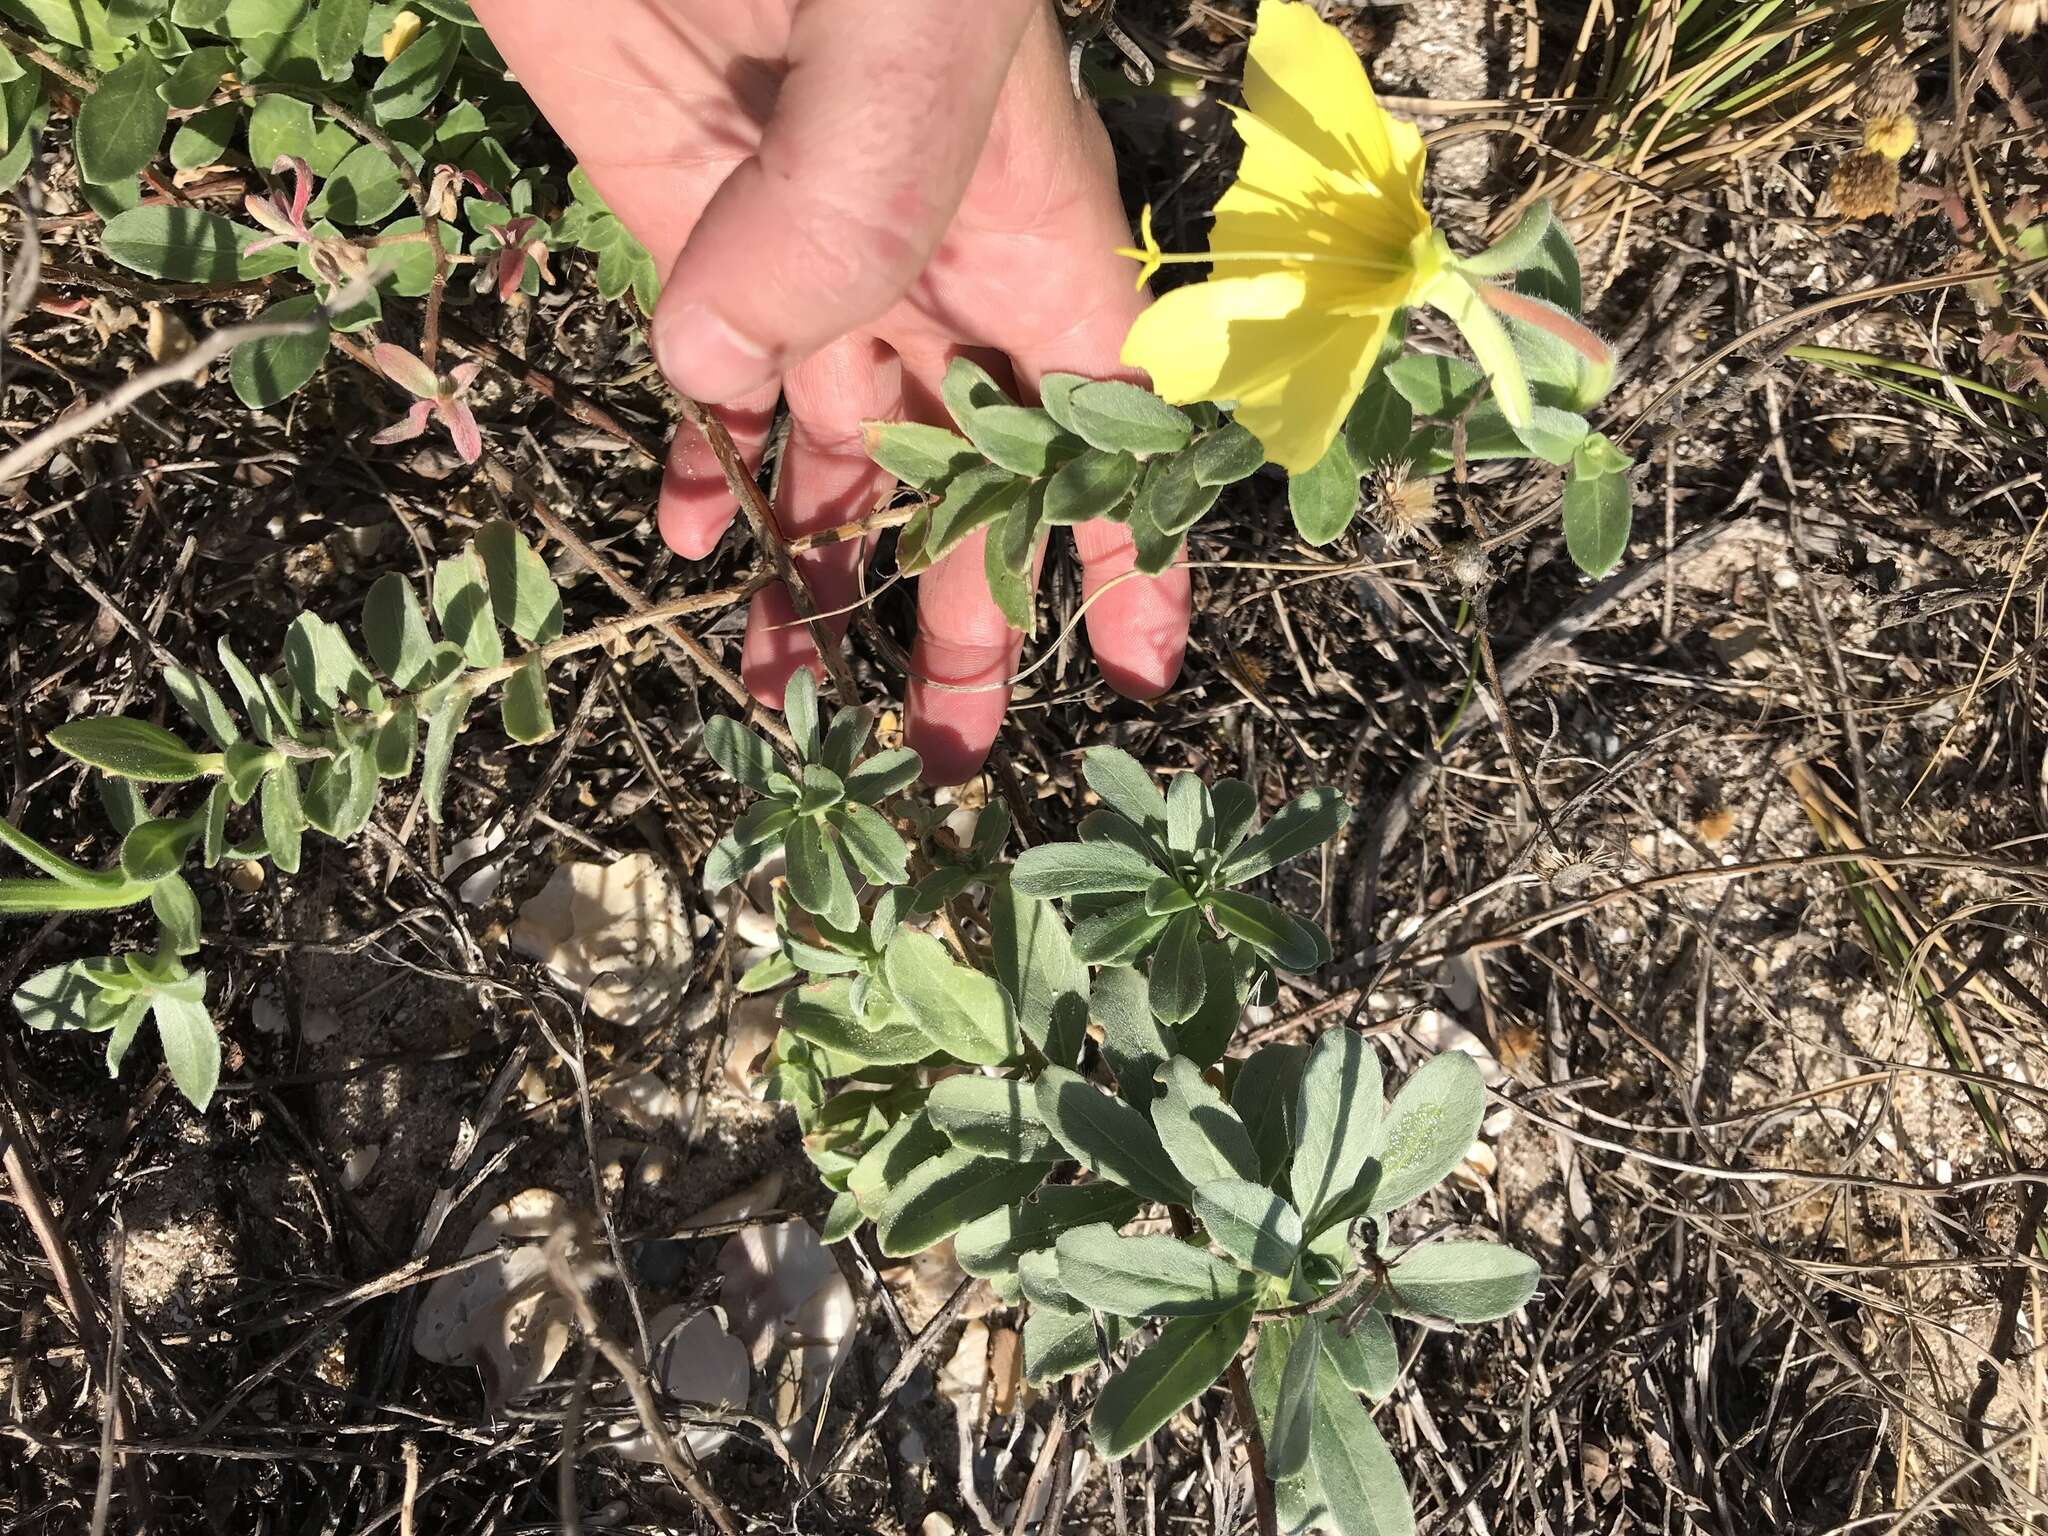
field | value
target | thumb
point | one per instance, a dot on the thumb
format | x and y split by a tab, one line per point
877	128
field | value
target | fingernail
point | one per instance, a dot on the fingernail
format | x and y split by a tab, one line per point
707	359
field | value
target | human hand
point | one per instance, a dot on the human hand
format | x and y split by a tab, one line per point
845	195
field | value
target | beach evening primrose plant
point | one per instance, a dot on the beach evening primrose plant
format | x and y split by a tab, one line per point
1319	246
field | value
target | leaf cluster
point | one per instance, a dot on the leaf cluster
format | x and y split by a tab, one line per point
308	745
1091	448
206	82
1032	1074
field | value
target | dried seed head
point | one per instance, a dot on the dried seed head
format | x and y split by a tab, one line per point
1865	185
1402	505
1464	564
1570	870
2017	18
1887	91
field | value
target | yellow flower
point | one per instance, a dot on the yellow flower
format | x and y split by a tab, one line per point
406	27
1322	237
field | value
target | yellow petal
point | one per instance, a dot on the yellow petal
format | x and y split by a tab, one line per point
404	32
1304	78
1268	342
1190	337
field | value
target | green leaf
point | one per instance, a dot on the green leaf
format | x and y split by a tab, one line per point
975	498
131	749
1251	1224
1336	1120
824	1014
962	1012
1225	456
1175	1369
1279	936
1435	385
800	713
1324	498
1551	273
1225	990
280	127
247	19
1060	870
214	825
1201	1133
1550	434
1059	1341
909	1143
1294	1406
65	997
395	630
20	898
872	844
997	1242
1304	823
1599	507
817	875
176	906
1461	1283
192	78
81	23
365	188
920	456
462	607
121	123
1133	1040
1126	786
883	775
844	738
324	667
1034	962
1119	936
1170	498
122	802
523	593
190	1044
1428	1130
1353	1467
203	138
443	725
396	741
1118	417
255	703
157	848
1369	1361
995	1116
1007	559
284	817
410	82
1018	438
745	757
203	704
1107	1136
942	1194
1149	1276
1377	430
1088	486
183	244
338	27
524	704
273	368
1178	979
